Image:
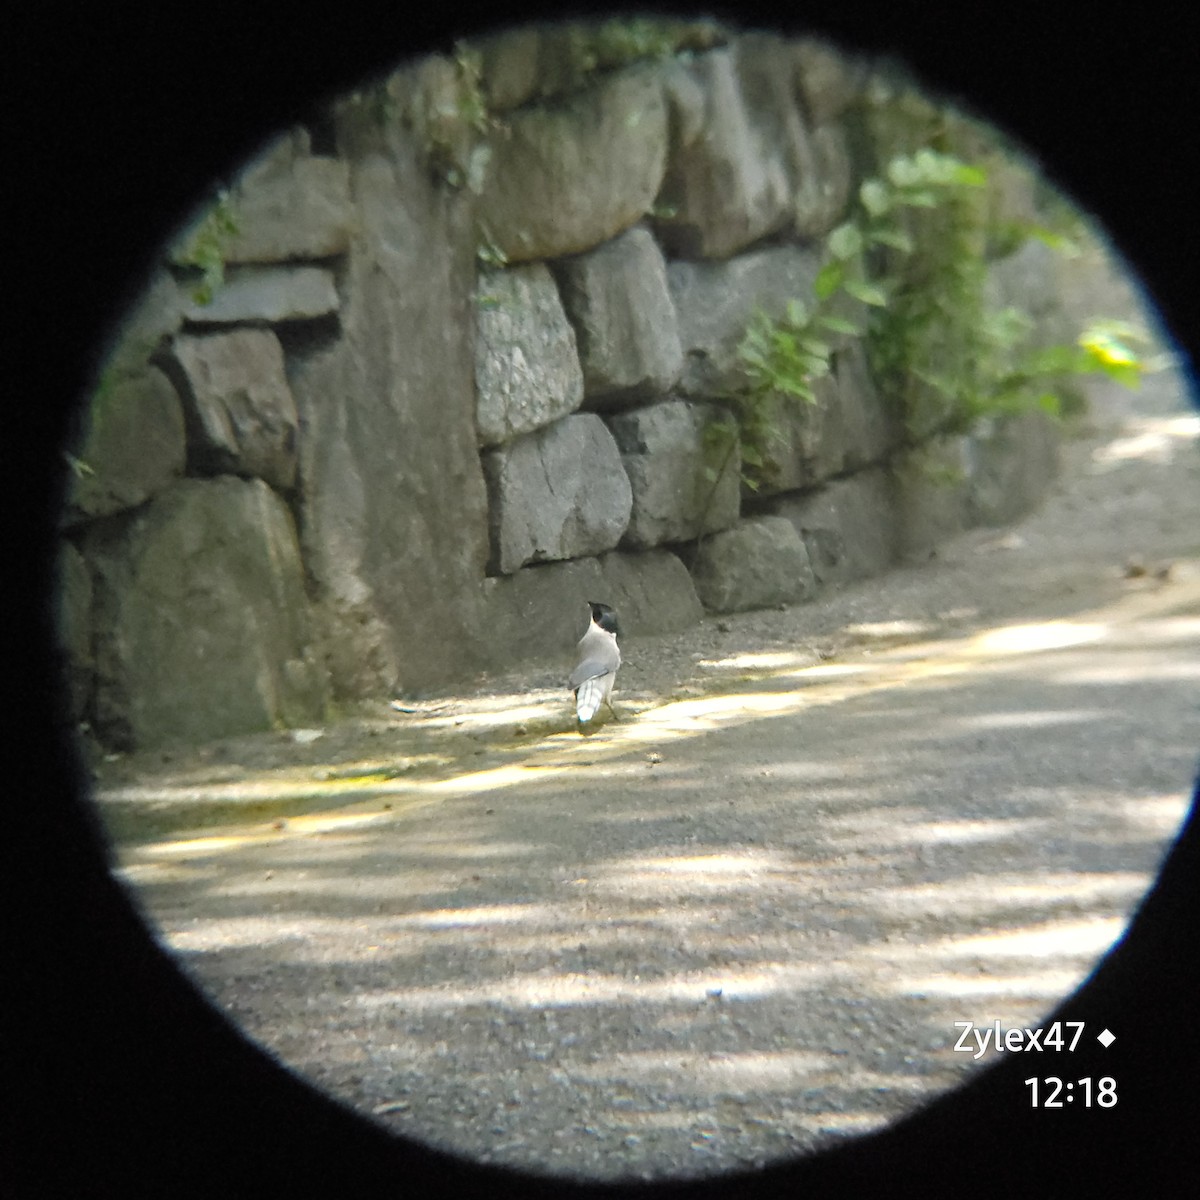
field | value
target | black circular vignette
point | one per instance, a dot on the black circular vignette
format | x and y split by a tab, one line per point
120	1076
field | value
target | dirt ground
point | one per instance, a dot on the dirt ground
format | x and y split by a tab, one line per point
741	923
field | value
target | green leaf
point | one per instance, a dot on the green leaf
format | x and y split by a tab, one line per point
903	172
868	293
837	324
846	241
797	314
896	238
875	198
829	279
969	176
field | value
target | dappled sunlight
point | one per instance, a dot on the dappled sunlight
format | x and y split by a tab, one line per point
290	783
698	870
724	1073
1157	439
1046	635
971	897
765	661
1029	719
904	827
1059	940
1041	988
564	989
604	914
1143	619
890	629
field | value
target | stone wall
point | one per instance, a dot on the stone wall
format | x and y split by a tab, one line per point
475	320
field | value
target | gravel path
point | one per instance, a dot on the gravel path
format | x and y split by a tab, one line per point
742	923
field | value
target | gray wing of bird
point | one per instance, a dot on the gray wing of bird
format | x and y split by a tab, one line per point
598	655
592	668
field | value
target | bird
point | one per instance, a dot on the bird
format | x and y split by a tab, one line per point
599	657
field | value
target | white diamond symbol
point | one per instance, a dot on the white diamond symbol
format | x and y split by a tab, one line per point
1106	1039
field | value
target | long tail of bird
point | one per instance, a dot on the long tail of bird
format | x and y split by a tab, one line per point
589	697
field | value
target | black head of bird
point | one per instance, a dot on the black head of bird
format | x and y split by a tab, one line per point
605	617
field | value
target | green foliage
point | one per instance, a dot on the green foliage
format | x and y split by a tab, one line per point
472	108
207	245
617	43
913	253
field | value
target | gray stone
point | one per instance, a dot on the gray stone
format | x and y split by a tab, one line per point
724	187
744	163
652	591
761	562
541	61
509	66
1014	461
829	80
154	317
558	493
824	180
265	294
617	300
540	612
564	177
665	455
848	428
393	506
202	621
849	526
527	371
1029	279
932	494
133	445
289	205
73	627
240	411
715	302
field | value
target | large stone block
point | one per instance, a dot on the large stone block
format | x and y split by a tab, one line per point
829	80
723	188
154	317
848	428
202	622
565	177
1029	279
1014	461
849	526
664	451
265	294
759	563
932	490
393	506
716	301
289	205
240	411
133	445
527	371
73	628
744	163
824	178
652	591
558	493
617	299
540	612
